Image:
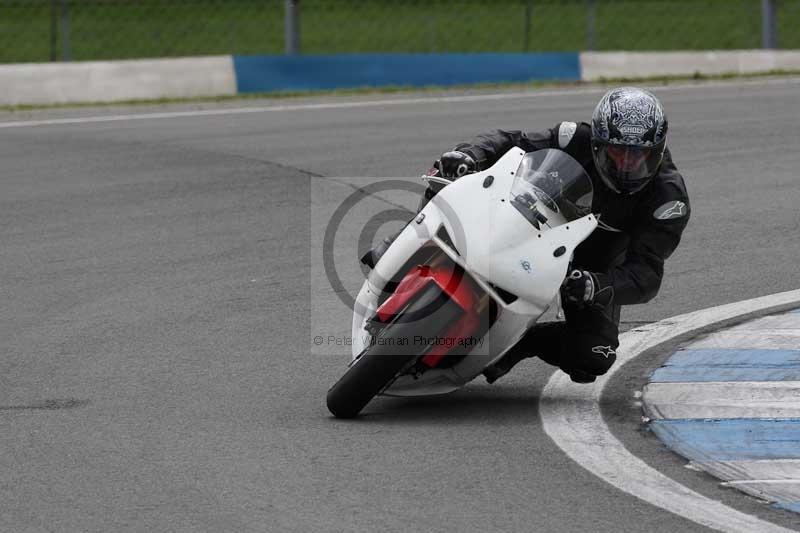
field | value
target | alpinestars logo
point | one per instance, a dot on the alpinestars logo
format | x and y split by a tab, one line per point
605	351
669	210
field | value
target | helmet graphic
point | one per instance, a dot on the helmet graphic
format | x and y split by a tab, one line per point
629	135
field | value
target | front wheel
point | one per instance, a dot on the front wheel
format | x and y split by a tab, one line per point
392	350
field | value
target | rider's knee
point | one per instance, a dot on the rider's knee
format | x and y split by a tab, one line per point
596	360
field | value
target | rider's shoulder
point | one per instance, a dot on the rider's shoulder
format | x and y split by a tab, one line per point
669	180
667	200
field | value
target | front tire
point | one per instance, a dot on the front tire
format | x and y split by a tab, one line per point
392	350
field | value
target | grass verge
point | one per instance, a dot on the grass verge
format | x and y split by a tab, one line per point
367	91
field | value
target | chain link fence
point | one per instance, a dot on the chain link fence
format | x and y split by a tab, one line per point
59	30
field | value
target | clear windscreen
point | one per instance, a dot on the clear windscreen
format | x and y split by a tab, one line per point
551	188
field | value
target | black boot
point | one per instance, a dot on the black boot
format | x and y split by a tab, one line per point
580	376
504	365
543	339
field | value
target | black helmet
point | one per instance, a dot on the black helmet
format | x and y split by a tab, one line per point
629	134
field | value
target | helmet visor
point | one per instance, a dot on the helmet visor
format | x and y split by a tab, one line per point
628	168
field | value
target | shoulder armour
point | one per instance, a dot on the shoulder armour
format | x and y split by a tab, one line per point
566	130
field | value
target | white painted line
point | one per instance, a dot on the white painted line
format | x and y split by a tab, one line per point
296	107
787	321
380	103
789	332
729	399
571	417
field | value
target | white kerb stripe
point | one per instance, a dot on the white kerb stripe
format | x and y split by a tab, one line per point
748	470
571	417
766	340
786	321
729	399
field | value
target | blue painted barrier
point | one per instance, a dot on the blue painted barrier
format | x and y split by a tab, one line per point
309	72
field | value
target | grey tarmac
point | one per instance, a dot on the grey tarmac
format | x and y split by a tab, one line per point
161	289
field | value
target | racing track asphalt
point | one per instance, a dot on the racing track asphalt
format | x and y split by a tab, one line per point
161	288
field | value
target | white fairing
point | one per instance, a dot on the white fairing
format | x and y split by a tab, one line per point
497	246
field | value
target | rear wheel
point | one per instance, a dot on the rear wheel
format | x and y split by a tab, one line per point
392	350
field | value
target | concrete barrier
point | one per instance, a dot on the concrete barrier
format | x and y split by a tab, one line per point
599	65
114	81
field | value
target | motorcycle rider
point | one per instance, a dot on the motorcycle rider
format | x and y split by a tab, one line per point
642	207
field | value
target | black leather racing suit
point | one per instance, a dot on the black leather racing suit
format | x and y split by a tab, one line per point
636	234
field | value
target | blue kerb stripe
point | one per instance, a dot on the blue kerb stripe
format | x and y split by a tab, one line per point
730	365
700	374
737	439
735	357
793	506
302	72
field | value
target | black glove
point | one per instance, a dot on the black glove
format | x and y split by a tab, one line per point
455	164
586	288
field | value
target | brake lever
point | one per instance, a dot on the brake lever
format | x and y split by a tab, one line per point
433	177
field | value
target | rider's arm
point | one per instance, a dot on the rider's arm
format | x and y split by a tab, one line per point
656	236
488	147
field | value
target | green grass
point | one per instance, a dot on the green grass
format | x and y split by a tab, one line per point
119	29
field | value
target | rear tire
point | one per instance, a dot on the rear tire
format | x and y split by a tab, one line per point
392	350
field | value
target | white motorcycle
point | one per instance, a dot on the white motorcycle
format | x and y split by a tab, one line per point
466	279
